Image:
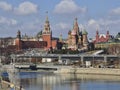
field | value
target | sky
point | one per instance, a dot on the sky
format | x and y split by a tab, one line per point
29	16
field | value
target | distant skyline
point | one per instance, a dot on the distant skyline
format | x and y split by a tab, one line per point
29	16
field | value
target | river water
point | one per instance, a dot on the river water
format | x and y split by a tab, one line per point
50	81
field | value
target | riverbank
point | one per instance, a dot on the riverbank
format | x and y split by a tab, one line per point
6	86
95	71
78	70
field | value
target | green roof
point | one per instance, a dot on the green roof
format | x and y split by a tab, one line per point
84	32
39	33
118	36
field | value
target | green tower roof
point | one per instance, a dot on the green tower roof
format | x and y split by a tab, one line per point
39	33
118	35
84	32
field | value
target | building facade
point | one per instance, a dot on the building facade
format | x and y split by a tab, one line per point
101	38
106	40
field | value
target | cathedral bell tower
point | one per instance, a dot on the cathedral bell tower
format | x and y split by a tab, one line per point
47	34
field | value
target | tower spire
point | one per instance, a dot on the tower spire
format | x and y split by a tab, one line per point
76	27
47	25
76	19
19	34
47	34
47	21
76	23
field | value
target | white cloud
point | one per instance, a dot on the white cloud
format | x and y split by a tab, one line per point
5	6
81	26
68	7
107	22
93	24
60	28
31	27
7	21
26	8
62	25
116	11
103	25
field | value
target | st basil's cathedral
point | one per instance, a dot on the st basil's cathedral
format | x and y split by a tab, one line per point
77	39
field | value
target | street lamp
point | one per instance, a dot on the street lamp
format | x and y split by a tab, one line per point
0	73
20	86
12	58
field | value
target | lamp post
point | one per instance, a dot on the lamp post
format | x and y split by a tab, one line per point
0	73
93	61
20	86
119	61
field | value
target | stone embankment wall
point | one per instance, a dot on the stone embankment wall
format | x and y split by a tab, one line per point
6	86
99	71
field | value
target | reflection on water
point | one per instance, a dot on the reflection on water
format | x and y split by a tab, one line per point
50	81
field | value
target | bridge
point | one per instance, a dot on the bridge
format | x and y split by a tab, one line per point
41	67
61	55
70	56
65	59
98	52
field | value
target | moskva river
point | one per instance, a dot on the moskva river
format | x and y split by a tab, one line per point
51	81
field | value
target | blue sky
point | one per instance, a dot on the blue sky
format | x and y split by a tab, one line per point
29	16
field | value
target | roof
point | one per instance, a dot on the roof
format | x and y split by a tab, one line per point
33	44
8	49
102	35
84	32
39	33
118	35
73	32
55	38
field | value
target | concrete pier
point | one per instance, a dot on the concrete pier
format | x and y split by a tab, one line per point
95	71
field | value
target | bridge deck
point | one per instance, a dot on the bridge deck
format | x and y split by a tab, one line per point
42	66
64	56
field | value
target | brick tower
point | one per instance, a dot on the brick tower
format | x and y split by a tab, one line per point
97	36
18	41
46	34
107	35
